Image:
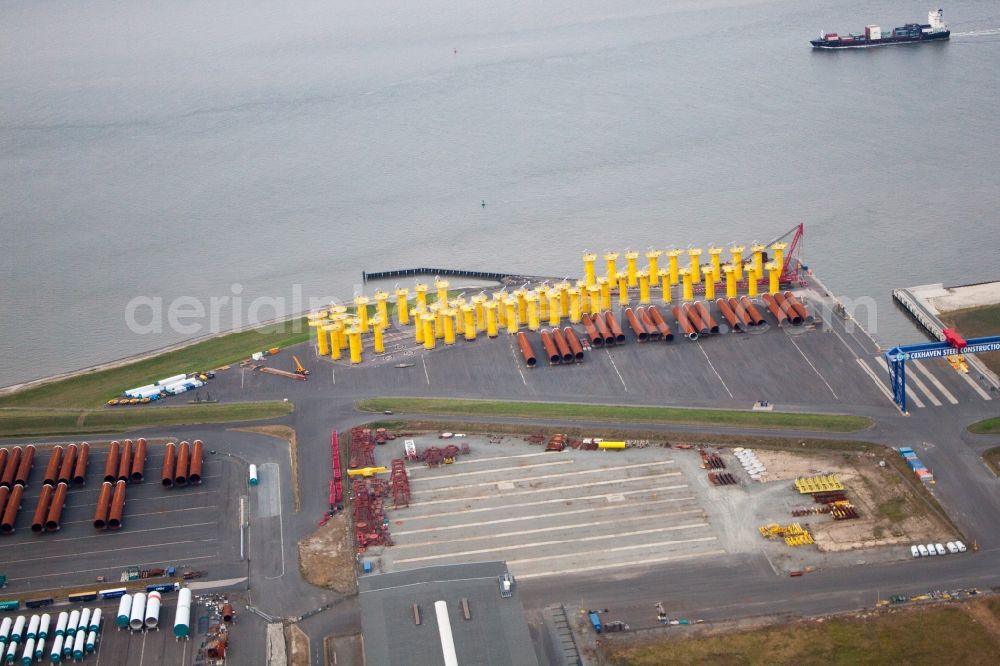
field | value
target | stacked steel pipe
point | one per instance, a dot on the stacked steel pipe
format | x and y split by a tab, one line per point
574	343
706	317
696	323
125	462
640	331
15	469
68	463
752	311
774	309
56	507
661	324
526	351
24	469
169	463
741	313
800	309
103	505
183	463
550	348
13	505
80	471
562	346
197	460
600	323
117	506
111	465
42	509
787	308
596	339
728	314
10	469
685	325
615	327
652	331
139	461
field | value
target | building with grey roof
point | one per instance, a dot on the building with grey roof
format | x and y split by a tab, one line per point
494	634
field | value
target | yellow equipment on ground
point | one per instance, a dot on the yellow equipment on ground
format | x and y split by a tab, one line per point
299	368
807	485
367	471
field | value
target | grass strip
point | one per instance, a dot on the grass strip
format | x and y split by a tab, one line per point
621	413
897	637
93	389
989	426
40	422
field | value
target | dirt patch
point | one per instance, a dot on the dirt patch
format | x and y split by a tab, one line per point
783	465
326	557
298	646
288	434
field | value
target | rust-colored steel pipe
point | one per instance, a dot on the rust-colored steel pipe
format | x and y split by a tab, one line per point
574	343
550	348
728	314
684	324
706	316
42	510
752	311
117	506
647	322
696	323
52	469
636	325
741	313
197	460
55	509
526	351
111	466
80	471
169	462
596	339
602	328
103	507
660	322
138	461
4	455
10	469
799	308
4	494
24	469
787	308
68	461
614	327
774	308
562	346
125	463
183	462
10	511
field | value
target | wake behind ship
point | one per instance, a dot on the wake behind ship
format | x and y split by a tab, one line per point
934	30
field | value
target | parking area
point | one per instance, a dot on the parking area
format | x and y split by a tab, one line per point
192	527
548	513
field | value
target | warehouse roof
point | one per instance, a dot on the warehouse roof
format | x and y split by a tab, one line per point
497	634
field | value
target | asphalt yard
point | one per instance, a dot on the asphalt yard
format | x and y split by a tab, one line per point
192	527
548	513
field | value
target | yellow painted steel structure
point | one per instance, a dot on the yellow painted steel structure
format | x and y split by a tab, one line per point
510	305
361	306
427	320
563	288
441	287
456	305
757	252
737	252
779	253
555	311
522	304
695	255
753	286
673	265
574	305
665	286
322	340
713	253
774	272
367	471
653	266
543	302
382	305
606	286
622	293
469	322
378	338
498	301
589	274
479	305
345	323
420	293
611	445
593	302
643	287
418	326
533	322
438	310
403	306
491	319
688	293
335	331
449	326
823	483
730	273
631	267
610	258
709	284
354	336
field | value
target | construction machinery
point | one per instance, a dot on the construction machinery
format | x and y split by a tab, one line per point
299	368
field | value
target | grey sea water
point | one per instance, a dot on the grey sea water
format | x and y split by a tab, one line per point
175	149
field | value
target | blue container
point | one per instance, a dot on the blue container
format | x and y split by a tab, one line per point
366	566
595	620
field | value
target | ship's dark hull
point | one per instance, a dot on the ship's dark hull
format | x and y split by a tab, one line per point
862	43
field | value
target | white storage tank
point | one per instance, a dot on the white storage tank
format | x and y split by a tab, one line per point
138	615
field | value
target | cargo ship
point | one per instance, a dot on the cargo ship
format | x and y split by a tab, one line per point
912	33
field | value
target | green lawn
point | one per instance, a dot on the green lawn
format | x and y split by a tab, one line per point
937	635
95	388
39	422
986	427
621	413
